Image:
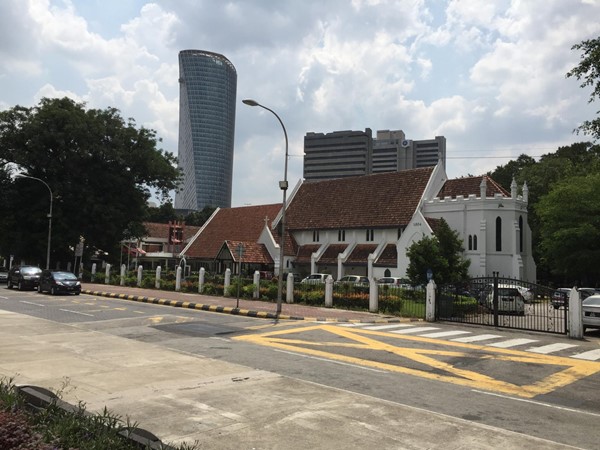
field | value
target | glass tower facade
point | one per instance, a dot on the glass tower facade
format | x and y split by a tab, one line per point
207	101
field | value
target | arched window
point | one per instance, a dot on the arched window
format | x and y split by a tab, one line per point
498	234
474	242
387	273
470	242
520	234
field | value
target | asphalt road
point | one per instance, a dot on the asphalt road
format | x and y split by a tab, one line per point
545	386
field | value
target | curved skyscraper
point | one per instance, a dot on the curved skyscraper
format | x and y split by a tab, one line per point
207	96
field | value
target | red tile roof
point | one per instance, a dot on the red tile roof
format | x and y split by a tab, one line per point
331	253
161	230
470	185
253	252
360	254
372	201
389	257
305	252
244	224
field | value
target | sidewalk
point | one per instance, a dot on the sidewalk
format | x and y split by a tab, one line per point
228	305
183	397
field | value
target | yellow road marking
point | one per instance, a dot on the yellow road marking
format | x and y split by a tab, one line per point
572	370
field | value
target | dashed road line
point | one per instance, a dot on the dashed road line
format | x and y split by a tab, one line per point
387	327
414	330
444	334
77	312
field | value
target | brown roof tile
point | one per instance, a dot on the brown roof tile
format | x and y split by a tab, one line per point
374	201
470	185
360	254
389	257
331	253
161	230
236	224
253	252
305	252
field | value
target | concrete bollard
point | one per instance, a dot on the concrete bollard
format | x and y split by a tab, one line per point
122	275
201	280
575	315
178	279
430	302
93	277
227	282
157	281
256	282
140	273
329	292
107	274
289	292
373	296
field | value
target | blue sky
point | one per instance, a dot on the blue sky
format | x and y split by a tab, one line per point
489	76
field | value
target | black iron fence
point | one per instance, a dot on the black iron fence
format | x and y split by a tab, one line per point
506	303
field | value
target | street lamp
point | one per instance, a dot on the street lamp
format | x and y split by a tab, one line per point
20	175
283	185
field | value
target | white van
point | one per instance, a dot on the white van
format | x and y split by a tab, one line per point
510	300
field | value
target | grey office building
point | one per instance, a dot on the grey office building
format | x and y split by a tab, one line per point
350	153
207	101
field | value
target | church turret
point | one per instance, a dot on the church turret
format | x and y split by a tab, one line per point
513	189
483	188
525	192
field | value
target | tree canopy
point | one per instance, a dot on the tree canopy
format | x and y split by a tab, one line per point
570	228
442	254
588	70
100	168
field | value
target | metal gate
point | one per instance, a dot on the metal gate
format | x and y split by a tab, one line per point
506	303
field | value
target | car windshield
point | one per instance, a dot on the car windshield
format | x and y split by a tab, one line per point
592	301
31	270
62	276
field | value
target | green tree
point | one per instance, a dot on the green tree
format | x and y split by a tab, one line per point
442	254
100	168
570	228
164	213
198	218
588	70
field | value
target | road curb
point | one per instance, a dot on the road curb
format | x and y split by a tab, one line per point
234	311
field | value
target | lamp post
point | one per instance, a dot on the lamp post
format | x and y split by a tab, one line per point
283	185
19	175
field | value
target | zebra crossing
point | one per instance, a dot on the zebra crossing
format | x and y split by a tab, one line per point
486	339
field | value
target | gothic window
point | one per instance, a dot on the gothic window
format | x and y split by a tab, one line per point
520	234
470	242
474	242
387	273
498	234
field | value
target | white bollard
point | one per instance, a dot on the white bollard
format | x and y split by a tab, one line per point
157	281
329	292
107	274
178	279
122	275
289	292
93	277
227	282
430	302
140	273
201	280
256	282
373	296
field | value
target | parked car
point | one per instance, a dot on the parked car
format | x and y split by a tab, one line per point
354	279
297	277
24	277
591	312
394	281
560	297
586	292
3	274
315	278
59	282
510	300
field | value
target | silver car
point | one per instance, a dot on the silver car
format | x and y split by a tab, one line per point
3	274
591	312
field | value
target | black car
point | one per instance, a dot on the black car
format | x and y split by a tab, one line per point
24	277
59	282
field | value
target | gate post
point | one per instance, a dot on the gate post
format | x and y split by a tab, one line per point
373	296
495	298
227	282
430	304
256	282
575	317
201	275
289	292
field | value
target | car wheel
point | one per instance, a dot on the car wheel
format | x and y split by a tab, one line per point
20	286
39	289
9	284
